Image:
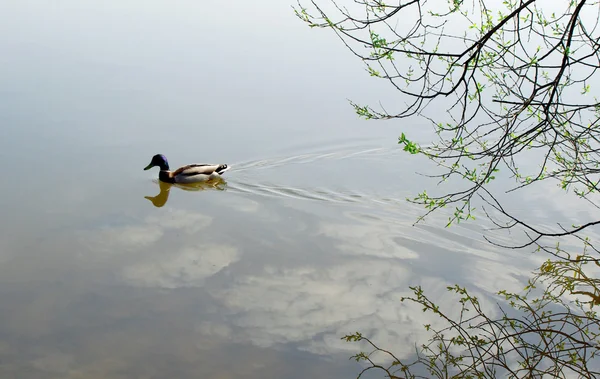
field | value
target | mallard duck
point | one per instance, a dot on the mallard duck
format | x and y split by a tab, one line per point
192	173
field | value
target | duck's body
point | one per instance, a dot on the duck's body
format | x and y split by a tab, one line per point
193	173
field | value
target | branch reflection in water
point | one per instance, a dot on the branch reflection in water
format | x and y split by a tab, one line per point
161	198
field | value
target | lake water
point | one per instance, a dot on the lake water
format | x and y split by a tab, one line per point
104	272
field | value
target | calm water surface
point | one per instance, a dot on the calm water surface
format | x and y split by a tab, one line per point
104	272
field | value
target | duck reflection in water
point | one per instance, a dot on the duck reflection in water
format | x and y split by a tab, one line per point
165	188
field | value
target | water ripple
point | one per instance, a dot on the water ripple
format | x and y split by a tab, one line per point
249	185
316	156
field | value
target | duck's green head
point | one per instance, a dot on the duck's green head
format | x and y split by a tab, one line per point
158	160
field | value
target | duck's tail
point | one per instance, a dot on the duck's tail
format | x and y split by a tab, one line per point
222	168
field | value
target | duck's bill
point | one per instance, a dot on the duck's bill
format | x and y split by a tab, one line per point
148	167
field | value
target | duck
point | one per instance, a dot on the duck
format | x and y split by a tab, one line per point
192	173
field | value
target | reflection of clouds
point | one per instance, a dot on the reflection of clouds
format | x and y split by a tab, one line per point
313	307
187	268
492	276
129	237
242	204
153	228
168	250
187	221
214	329
376	241
181	265
56	363
307	302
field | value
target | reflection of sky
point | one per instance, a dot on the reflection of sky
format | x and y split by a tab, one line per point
298	251
227	270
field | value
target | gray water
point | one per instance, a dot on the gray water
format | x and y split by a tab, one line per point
104	272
